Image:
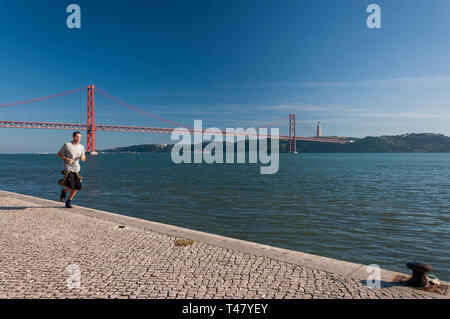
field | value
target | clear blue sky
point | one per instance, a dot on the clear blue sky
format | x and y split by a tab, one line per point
234	63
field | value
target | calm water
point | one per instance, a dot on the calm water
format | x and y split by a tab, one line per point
385	209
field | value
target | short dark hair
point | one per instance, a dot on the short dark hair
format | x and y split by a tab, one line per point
76	132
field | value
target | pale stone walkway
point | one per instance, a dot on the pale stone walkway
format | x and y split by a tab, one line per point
40	239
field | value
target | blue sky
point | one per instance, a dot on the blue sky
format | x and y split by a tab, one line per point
233	64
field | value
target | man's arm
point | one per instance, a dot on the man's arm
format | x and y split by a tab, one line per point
83	157
66	159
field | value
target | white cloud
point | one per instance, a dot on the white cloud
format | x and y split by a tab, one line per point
405	81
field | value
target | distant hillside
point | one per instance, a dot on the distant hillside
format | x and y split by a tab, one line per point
406	143
142	148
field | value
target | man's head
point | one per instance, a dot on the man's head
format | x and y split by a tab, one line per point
76	137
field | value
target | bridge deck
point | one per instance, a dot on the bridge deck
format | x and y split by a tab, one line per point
144	129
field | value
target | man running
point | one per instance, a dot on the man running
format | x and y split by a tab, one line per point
71	153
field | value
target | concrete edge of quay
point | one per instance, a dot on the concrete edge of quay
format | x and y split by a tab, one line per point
329	265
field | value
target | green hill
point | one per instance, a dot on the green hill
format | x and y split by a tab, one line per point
405	143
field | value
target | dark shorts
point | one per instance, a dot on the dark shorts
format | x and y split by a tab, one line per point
72	181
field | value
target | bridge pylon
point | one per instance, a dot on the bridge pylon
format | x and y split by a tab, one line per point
292	133
91	120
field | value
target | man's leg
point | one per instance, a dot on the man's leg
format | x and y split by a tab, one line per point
69	201
62	197
72	193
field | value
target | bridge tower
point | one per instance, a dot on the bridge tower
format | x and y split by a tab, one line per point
90	120
292	133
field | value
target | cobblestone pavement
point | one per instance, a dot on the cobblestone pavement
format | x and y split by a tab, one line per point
39	242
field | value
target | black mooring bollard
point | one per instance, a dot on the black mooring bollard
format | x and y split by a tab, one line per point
419	276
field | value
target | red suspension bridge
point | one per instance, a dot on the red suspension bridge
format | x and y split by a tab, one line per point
104	114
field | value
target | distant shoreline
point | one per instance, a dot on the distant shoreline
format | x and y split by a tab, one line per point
405	143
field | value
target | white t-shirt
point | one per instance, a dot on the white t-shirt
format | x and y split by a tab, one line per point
74	152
